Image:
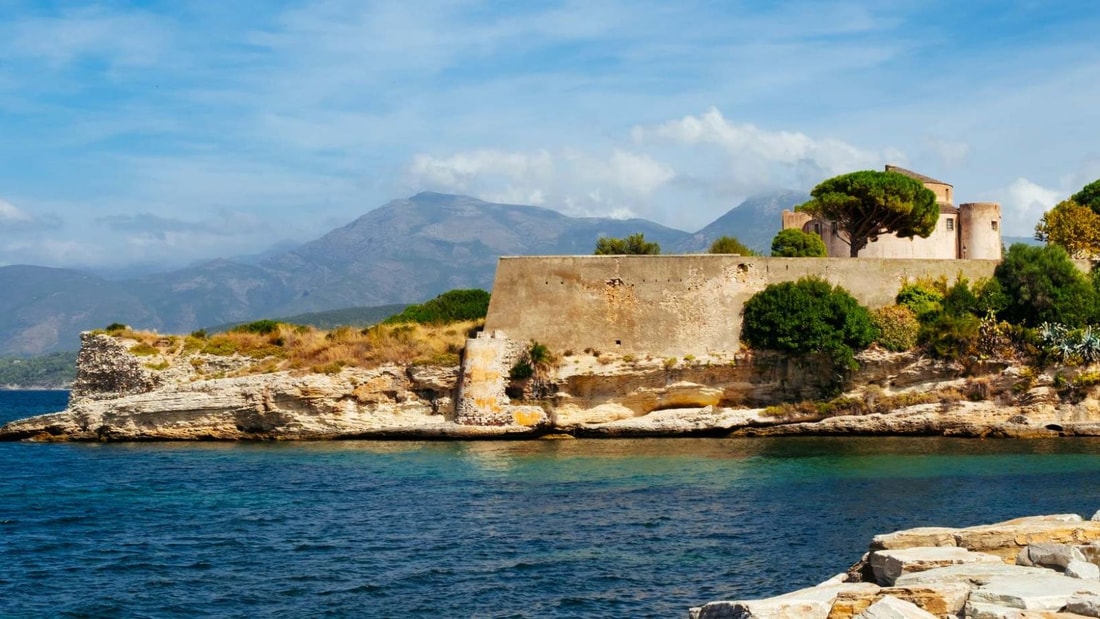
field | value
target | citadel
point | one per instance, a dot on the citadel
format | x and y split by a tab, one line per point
971	230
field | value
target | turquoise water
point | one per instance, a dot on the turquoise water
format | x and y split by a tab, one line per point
638	528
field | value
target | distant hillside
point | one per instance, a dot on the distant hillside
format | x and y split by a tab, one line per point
43	309
754	222
53	371
411	250
405	251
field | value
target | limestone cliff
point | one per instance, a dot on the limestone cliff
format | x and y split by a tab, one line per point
120	395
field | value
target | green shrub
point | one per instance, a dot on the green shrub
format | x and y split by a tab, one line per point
794	243
521	370
729	245
808	316
897	327
115	327
451	306
921	297
951	336
220	346
633	244
535	362
1041	284
259	327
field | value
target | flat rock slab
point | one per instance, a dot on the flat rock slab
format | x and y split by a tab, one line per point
1085	605
1051	591
888	565
1007	538
909	538
811	603
946	599
973	575
893	608
992	611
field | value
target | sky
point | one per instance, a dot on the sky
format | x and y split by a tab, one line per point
146	135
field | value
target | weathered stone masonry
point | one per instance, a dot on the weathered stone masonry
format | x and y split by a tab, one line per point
674	305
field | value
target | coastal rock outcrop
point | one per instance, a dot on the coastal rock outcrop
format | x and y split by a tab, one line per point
131	390
1018	569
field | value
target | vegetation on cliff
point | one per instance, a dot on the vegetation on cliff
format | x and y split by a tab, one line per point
451	306
808	316
270	346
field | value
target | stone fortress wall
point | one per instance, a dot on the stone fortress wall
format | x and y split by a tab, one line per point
674	305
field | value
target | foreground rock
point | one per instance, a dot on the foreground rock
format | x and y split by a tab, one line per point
1027	568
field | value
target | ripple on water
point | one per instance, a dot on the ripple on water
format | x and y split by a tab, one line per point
640	528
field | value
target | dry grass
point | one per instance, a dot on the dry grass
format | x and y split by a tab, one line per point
292	347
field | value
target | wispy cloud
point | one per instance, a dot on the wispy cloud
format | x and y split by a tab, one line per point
154	119
16	221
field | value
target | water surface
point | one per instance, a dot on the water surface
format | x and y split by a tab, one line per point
592	528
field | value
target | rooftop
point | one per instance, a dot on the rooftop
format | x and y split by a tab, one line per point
911	174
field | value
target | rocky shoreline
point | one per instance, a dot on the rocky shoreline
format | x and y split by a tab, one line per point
119	396
1038	567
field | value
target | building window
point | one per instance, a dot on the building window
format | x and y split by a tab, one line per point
817	228
950	223
836	227
994	223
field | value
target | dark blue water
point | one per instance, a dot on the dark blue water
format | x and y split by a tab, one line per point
639	528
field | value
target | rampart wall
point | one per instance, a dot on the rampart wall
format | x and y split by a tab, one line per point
673	305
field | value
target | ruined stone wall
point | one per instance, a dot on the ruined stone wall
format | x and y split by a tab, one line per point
673	305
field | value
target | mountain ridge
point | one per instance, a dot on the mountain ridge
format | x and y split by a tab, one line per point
406	250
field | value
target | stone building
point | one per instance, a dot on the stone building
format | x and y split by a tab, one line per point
969	231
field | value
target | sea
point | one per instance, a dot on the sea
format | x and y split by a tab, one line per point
537	528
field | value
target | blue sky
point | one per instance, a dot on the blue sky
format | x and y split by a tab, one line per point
160	133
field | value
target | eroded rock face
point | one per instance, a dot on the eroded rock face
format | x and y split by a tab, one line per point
106	370
266	406
585	395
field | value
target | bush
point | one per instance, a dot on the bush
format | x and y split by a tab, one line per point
794	243
952	336
922	297
535	362
897	326
451	306
1041	284
808	316
259	327
633	244
729	245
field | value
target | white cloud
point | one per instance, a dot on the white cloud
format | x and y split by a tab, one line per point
572	181
757	158
9	214
1024	202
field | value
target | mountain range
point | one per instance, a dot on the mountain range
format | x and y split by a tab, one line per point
405	251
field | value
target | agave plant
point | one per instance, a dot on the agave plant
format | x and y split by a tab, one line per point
1088	345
